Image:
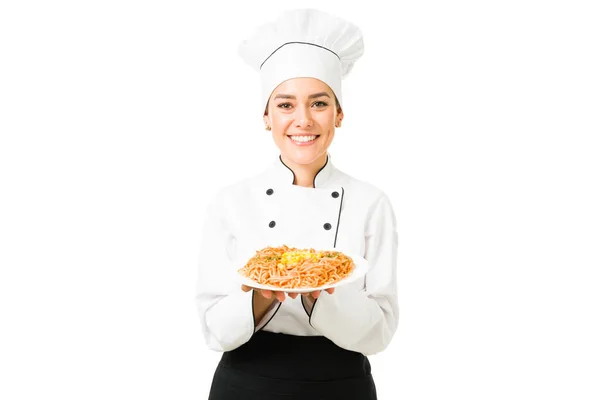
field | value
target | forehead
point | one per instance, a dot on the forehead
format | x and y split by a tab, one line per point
302	87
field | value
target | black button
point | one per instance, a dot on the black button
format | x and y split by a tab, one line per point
271	224
335	195
270	192
327	226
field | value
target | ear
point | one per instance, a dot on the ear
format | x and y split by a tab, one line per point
339	117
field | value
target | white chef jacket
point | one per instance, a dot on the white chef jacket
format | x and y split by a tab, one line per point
340	212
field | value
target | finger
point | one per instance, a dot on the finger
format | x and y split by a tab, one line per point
280	296
293	295
266	294
315	294
246	288
330	290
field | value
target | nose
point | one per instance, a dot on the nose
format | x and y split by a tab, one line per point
303	117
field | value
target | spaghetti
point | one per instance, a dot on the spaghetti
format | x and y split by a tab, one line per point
292	268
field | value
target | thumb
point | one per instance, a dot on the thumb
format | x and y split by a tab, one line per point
246	288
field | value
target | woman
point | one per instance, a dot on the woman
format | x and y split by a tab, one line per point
290	347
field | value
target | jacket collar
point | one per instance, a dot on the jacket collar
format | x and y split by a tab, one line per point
281	174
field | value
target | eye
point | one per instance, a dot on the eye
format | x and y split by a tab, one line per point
285	105
320	104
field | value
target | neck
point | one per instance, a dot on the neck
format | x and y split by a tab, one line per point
304	174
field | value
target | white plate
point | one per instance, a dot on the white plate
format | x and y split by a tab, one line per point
361	266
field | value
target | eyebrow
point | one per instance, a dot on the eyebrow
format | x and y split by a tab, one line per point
289	96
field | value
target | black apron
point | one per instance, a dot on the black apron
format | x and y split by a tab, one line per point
274	366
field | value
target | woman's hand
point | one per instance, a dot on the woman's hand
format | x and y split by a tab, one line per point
316	293
269	294
311	297
280	295
262	303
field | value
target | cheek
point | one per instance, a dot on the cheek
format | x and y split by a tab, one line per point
280	121
327	119
331	135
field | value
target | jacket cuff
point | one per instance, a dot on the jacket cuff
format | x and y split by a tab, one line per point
308	304
344	316
271	311
231	320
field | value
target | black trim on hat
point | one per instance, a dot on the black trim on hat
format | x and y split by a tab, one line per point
312	44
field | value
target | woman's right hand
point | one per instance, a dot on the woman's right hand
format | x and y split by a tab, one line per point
270	294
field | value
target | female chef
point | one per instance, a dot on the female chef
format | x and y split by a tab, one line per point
311	346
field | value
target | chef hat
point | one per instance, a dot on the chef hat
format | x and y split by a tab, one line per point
303	43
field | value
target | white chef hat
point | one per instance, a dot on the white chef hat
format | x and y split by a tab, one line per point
303	43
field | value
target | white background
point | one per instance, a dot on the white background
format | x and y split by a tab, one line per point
119	120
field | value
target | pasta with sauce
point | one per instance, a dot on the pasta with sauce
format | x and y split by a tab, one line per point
292	268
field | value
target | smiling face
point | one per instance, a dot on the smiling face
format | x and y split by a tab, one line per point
302	114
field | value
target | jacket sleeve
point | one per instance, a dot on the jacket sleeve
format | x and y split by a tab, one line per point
365	321
226	312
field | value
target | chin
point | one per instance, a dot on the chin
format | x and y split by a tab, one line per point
301	157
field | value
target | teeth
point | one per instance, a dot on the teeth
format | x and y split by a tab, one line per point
303	138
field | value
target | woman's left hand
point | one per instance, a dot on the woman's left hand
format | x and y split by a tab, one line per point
280	295
268	294
311	297
316	293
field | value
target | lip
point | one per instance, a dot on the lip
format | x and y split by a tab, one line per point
304	143
303	134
